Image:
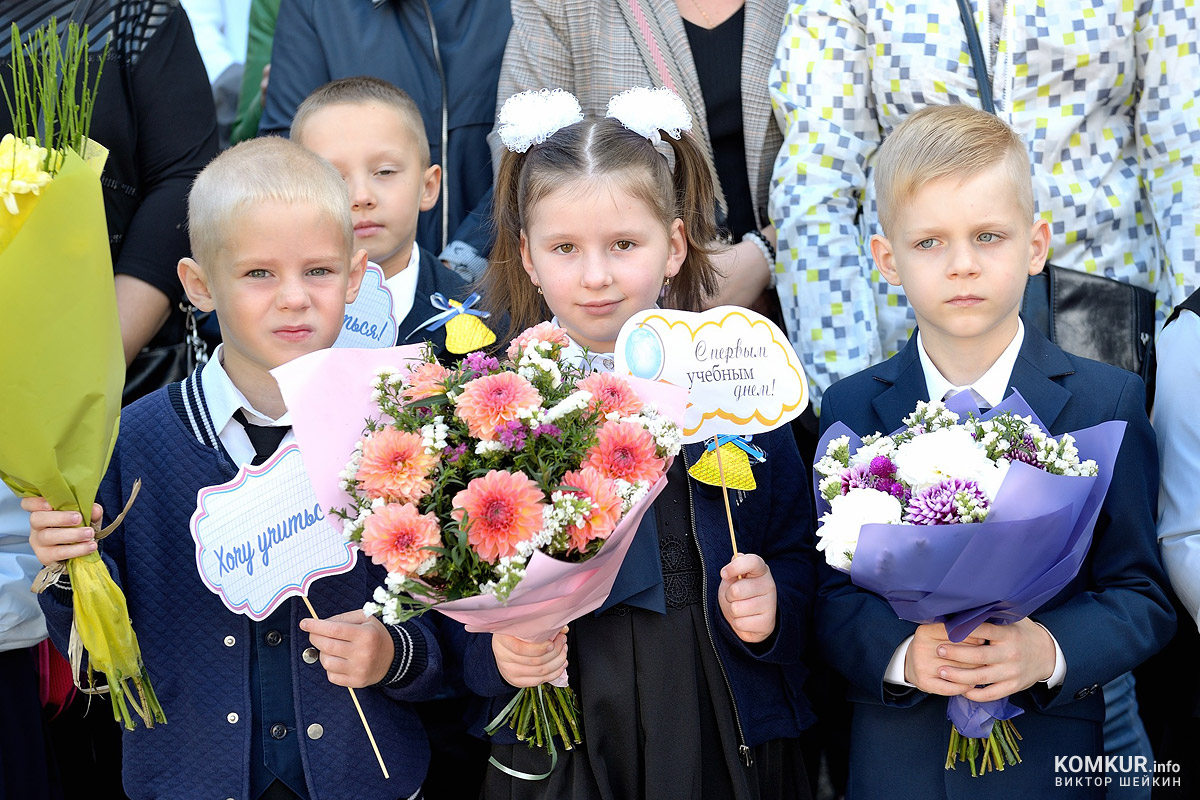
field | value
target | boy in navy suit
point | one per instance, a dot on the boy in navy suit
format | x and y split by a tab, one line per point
372	133
956	207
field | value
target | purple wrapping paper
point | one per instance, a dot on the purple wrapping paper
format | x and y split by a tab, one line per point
1000	570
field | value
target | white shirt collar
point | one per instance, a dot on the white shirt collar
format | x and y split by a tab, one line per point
224	399
587	360
991	387
403	286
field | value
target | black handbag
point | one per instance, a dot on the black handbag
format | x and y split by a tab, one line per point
155	367
1087	315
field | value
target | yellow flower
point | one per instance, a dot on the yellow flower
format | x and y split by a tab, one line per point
21	170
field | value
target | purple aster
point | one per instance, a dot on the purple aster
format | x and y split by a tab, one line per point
479	364
511	435
548	429
936	506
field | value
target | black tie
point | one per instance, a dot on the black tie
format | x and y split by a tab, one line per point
265	439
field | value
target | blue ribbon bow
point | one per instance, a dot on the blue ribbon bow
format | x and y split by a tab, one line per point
756	453
447	311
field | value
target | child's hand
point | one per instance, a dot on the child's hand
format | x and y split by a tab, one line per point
356	650
523	664
930	659
1014	658
747	597
53	535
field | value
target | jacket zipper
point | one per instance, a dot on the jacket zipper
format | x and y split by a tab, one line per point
743	750
437	60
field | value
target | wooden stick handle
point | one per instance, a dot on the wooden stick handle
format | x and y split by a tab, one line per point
361	715
725	496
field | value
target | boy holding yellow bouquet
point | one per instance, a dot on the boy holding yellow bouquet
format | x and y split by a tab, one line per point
272	242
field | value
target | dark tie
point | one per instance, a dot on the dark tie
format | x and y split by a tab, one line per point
265	439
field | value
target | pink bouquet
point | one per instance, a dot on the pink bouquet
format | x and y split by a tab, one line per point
503	493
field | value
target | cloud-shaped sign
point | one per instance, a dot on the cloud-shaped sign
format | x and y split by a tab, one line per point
742	372
263	537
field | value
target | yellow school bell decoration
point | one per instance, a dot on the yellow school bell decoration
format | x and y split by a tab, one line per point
737	456
465	329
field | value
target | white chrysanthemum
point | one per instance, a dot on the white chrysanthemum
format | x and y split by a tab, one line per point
933	457
837	535
883	446
647	111
532	117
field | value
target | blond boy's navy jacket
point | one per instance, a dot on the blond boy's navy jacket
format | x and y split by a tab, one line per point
198	653
1110	618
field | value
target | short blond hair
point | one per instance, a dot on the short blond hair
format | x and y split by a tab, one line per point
944	142
256	171
361	90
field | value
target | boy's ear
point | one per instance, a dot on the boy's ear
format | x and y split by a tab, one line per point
358	267
885	258
677	248
195	284
527	260
1039	246
431	186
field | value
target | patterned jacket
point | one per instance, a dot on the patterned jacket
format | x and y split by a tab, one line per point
593	49
1104	93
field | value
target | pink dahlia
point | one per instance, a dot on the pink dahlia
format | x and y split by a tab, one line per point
611	393
542	332
502	509
395	466
396	536
489	402
425	380
625	450
606	506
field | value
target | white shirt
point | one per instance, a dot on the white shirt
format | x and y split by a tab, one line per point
988	391
992	385
1178	431
403	286
224	400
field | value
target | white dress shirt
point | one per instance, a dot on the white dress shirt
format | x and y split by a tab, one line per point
988	392
403	286
1178	431
224	400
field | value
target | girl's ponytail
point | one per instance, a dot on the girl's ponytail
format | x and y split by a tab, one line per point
695	204
505	286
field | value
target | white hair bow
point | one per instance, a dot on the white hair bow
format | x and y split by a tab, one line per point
647	111
534	116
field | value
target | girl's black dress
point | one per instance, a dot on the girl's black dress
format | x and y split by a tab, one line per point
657	710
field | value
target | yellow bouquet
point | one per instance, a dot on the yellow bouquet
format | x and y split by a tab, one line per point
60	343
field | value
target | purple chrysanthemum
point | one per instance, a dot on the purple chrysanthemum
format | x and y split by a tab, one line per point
946	503
1025	451
857	478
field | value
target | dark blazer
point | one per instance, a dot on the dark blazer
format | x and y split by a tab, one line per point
1111	617
432	276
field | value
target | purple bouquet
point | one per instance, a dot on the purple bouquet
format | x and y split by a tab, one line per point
964	519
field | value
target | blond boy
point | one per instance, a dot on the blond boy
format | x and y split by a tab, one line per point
256	709
960	237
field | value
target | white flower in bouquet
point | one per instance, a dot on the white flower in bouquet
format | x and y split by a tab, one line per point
933	457
838	532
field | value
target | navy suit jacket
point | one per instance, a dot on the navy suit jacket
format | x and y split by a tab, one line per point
1111	617
432	276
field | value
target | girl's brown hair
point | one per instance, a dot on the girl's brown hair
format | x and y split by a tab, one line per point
601	150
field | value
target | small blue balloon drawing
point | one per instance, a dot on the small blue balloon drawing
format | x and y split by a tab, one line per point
644	353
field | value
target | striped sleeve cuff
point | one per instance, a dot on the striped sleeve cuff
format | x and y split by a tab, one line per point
410	658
